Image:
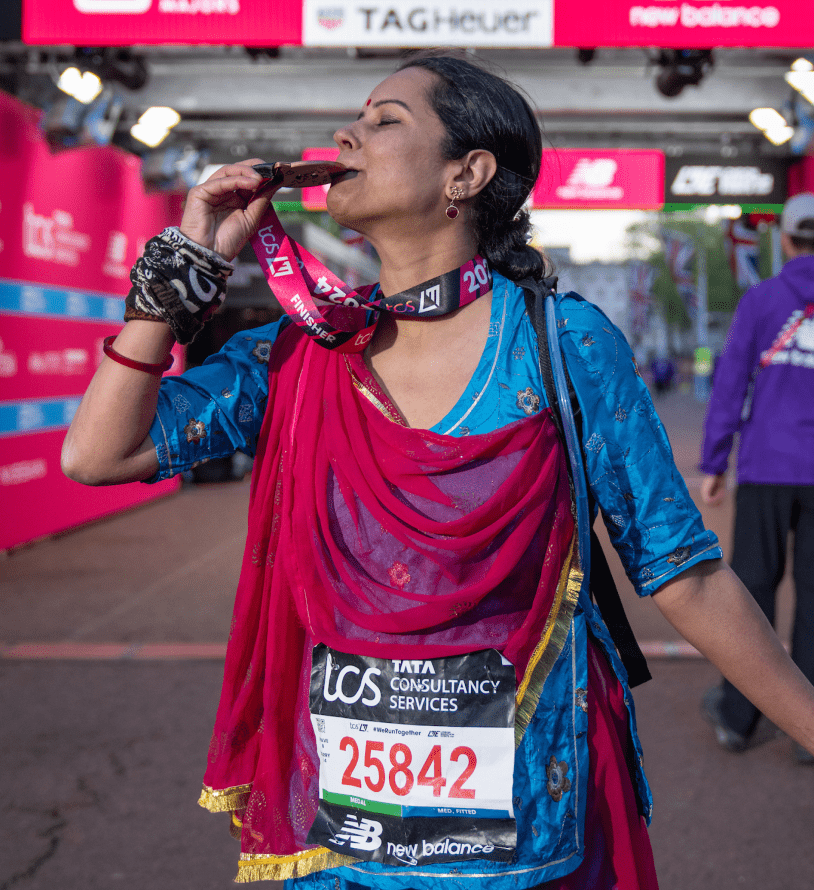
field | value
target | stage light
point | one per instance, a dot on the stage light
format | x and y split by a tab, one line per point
772	124
680	68
802	64
154	125
803	82
82	86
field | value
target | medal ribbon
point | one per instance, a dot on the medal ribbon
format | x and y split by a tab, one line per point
301	283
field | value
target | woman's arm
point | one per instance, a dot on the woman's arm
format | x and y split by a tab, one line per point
710	608
108	442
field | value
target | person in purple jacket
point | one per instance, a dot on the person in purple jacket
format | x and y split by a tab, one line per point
764	390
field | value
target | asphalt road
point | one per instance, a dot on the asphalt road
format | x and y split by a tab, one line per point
102	747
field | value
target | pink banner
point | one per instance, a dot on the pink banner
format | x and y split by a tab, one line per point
71	225
78	218
125	22
38	500
683	24
593	178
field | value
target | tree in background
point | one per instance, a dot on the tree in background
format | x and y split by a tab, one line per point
644	243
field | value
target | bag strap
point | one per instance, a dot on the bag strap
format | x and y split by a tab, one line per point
567	415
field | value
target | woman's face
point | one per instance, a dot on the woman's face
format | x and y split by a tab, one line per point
394	147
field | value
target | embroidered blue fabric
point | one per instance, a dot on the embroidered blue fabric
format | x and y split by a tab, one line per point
215	409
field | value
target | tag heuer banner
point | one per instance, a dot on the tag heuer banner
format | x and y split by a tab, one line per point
416	757
409	23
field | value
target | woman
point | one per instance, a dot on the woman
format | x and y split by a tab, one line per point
410	592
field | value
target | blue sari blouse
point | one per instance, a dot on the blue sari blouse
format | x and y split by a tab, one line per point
216	409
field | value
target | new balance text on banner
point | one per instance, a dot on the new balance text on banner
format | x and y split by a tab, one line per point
683	24
711	179
519	23
593	178
125	22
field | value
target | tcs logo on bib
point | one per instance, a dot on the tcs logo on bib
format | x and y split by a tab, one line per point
351	696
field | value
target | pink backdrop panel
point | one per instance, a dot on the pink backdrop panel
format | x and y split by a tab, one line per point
38	500
75	218
49	357
71	225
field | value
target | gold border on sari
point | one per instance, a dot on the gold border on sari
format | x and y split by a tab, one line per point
224	800
388	412
269	867
553	638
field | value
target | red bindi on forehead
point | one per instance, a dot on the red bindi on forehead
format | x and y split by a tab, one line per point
367	103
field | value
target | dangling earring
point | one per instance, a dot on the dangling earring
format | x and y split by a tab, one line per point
452	211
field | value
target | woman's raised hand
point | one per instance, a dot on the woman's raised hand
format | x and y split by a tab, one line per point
225	211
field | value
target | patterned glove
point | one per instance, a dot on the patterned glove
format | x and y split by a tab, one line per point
179	282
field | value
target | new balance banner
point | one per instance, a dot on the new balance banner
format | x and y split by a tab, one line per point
683	24
595	178
416	757
125	22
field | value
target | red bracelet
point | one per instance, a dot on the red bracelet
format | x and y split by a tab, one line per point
156	370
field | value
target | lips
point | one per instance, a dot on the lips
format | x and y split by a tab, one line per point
345	174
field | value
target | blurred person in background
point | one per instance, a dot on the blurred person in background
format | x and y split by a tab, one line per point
411	516
763	389
662	370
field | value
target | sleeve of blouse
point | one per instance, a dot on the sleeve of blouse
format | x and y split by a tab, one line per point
651	519
216	409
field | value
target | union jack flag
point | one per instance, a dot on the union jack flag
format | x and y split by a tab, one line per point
640	284
744	252
679	253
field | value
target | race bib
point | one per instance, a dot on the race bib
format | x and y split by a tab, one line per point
416	756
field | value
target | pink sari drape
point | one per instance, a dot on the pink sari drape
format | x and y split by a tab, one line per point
376	539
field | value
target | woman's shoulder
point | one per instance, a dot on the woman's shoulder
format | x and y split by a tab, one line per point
580	323
252	345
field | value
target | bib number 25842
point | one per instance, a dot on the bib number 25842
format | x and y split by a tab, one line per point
416	756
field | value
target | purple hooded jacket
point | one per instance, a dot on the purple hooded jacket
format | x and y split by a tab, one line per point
777	441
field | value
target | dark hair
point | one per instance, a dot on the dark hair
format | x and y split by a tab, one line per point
480	110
